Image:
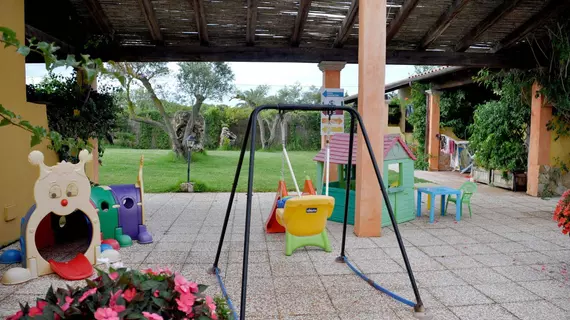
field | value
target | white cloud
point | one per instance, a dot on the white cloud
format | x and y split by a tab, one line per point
251	74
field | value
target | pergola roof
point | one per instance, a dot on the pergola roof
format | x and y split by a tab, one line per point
438	32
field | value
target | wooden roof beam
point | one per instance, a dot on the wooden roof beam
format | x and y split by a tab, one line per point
99	16
398	21
501	11
300	20
151	21
442	23
32	32
200	15
311	55
553	8
347	25
251	22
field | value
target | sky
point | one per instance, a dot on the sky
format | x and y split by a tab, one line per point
248	75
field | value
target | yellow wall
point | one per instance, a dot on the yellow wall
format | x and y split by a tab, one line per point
559	149
17	175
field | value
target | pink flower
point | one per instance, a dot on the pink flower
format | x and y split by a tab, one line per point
38	309
68	302
113	302
106	314
212	306
129	294
149	271
151	316
87	294
156	293
114	276
186	302
16	316
165	271
181	285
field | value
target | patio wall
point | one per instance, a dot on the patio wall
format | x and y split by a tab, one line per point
17	175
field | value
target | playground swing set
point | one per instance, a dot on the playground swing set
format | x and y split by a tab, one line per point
303	218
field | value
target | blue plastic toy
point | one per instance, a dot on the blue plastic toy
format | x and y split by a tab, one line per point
11	256
281	202
105	246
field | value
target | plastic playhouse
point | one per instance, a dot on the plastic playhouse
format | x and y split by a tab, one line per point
72	225
401	191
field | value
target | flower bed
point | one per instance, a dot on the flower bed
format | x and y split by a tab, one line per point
128	294
562	212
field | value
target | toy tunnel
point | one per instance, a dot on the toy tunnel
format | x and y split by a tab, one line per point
120	209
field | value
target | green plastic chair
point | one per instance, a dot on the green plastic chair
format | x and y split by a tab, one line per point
467	191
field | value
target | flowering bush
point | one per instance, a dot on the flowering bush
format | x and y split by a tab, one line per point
127	294
562	212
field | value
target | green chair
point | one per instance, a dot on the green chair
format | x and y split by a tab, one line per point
467	191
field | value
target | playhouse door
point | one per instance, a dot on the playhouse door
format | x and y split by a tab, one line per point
128	197
405	205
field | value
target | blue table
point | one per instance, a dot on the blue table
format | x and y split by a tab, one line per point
438	191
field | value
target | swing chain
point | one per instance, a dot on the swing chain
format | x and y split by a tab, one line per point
281	112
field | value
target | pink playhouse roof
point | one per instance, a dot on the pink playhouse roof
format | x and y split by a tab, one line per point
339	148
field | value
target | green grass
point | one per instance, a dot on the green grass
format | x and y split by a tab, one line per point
213	172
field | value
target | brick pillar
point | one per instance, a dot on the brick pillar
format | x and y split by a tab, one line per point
539	148
372	107
432	129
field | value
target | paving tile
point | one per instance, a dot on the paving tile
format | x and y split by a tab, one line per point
509	247
535	310
257	305
253	257
392	281
378	266
460	240
254	269
437	313
366	301
279	256
458	262
459	296
10	305
384	315
480	276
548	288
343	284
290	304
330	316
356	254
330	267
256	285
494	260
483	312
437	278
173	257
521	273
302	284
426	264
506	292
173	246
289	269
475	248
441	251
489	238
526	258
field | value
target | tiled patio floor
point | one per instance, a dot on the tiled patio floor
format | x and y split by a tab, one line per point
509	261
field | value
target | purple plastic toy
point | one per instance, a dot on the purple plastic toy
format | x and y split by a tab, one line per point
128	197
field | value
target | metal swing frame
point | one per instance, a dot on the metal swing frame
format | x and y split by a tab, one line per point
215	270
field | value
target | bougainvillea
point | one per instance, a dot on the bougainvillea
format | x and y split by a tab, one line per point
126	294
562	212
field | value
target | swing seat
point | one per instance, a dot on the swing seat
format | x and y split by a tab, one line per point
305	220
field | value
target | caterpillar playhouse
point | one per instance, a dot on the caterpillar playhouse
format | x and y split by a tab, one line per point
73	224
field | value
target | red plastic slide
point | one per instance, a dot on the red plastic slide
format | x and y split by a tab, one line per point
78	268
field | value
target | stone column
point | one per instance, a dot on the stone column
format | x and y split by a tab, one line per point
539	146
432	129
372	107
331	79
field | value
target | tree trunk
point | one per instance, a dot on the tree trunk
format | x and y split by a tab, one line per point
272	129
176	145
195	111
262	132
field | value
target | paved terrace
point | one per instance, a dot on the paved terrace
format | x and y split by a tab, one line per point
507	262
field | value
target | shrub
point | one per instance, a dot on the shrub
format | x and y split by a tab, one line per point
128	294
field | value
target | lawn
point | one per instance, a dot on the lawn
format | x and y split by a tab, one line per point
213	172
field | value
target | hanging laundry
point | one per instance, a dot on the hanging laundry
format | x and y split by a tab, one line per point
451	146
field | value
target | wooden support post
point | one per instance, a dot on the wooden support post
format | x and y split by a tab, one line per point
331	79
432	129
539	147
371	105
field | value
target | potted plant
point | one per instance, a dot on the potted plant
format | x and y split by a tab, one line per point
129	294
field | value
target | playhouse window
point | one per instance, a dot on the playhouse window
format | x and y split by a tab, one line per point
400	174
